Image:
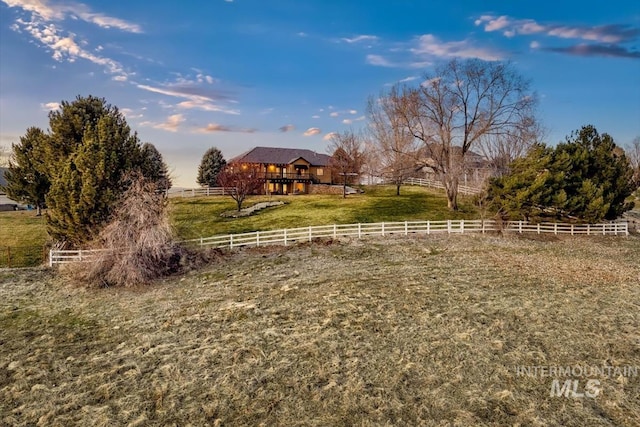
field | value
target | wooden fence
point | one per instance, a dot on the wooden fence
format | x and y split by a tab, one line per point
462	189
293	235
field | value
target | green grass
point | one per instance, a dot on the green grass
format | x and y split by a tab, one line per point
200	217
23	236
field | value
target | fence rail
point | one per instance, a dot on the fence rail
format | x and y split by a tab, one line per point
293	235
462	189
197	192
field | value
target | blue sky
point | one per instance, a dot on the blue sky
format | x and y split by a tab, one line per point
236	74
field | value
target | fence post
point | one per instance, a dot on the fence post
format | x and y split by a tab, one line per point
406	228
520	226
604	230
538	228
359	231
555	228
449	226
285	237
588	229
382	229
258	238
428	227
462	226
231	241
309	233
334	231
201	241
572	229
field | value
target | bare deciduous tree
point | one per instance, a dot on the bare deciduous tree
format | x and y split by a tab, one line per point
394	145
633	154
503	148
241	180
457	106
347	158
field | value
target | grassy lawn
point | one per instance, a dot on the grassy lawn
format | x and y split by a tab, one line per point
22	238
200	217
426	330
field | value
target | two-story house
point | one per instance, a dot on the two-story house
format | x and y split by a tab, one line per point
287	170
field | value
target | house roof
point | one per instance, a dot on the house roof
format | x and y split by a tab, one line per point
281	156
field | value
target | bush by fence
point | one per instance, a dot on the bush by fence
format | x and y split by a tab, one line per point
293	235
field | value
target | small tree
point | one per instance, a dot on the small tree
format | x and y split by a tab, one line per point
27	181
347	158
153	167
394	145
240	180
211	165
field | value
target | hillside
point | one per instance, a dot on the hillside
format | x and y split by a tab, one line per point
420	331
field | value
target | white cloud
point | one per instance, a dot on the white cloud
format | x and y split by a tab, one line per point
379	61
61	11
193	101
66	48
334	114
534	45
430	46
329	136
315	116
511	27
171	124
50	106
353	112
360	38
312	131
347	121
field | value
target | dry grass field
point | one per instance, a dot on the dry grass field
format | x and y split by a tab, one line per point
422	331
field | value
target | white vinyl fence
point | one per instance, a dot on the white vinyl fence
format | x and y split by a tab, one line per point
197	192
293	235
462	189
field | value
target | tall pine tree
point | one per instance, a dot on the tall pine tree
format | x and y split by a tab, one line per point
91	148
27	181
210	167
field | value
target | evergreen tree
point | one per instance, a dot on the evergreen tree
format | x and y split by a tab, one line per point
587	177
27	181
210	167
153	167
91	148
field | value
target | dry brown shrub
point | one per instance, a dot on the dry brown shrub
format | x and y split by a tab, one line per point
137	246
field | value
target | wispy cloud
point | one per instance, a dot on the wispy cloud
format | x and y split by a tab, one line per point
601	33
171	124
596	50
380	61
214	127
40	20
360	38
48	11
429	46
312	131
194	94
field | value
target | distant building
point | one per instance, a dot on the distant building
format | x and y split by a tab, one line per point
287	170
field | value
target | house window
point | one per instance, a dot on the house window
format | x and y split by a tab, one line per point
320	172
